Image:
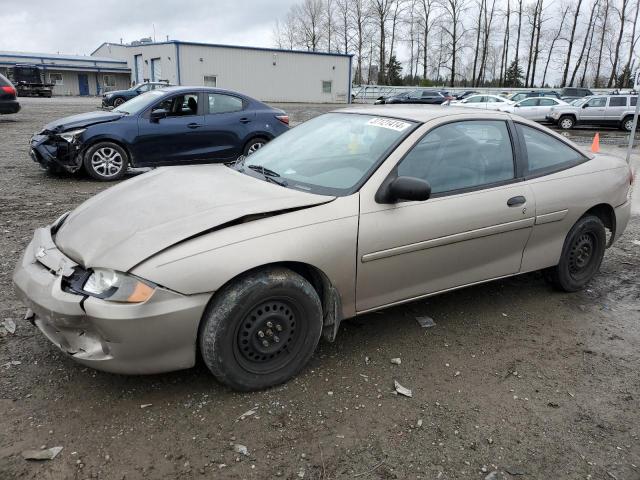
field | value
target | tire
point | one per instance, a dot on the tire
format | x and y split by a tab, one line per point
566	122
581	256
106	161
627	124
118	101
253	145
261	329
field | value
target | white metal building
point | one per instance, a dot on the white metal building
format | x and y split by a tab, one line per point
73	74
267	74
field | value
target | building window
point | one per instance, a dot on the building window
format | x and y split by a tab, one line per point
109	81
326	86
56	78
210	81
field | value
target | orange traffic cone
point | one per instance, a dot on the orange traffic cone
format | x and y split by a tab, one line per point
595	146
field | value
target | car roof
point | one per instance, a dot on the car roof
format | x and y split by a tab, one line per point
421	113
178	89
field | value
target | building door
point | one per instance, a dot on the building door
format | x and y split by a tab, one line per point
138	69
83	84
156	71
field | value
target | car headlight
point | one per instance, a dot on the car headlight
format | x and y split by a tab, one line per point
117	287
71	135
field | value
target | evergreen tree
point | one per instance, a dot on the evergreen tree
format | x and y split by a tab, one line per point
394	71
514	75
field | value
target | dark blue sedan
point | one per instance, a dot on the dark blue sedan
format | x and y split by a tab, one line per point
167	126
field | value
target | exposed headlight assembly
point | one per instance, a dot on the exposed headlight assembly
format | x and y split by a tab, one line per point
117	286
71	135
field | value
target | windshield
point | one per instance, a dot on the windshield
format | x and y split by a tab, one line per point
140	103
330	154
579	101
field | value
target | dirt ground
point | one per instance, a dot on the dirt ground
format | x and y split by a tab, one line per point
515	378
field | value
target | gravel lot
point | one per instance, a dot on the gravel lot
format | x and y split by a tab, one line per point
514	377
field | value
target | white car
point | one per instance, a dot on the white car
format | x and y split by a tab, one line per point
534	108
488	102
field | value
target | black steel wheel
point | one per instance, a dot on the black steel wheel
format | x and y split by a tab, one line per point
261	329
582	255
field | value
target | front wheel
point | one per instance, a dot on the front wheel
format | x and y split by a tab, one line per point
106	161
581	257
117	102
260	330
566	123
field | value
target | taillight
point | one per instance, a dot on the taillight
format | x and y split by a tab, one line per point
8	89
283	118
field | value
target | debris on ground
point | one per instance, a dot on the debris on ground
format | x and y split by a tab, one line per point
396	361
419	423
146	405
425	322
514	471
9	325
43	454
246	414
492	476
402	390
12	363
241	449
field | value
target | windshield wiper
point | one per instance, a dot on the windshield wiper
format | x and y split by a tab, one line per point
268	174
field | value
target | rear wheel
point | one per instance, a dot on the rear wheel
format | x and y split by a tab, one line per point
566	122
254	145
627	124
106	161
260	330
581	257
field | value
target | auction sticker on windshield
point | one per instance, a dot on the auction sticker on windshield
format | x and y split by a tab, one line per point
397	125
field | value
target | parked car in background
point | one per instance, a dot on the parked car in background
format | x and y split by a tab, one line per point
8	101
516	97
573	93
488	102
465	94
166	126
536	108
422	96
116	98
223	262
605	110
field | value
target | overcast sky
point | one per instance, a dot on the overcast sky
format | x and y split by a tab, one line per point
80	26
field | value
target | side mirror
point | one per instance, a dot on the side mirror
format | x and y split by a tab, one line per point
408	188
585	105
157	115
517	105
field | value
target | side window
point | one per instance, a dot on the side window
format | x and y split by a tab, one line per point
476	99
219	103
617	101
597	102
144	88
547	102
461	155
545	153
530	102
633	101
180	105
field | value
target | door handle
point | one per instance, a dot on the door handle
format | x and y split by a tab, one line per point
194	125
245	120
515	201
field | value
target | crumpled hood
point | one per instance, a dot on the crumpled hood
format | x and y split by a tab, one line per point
82	120
128	223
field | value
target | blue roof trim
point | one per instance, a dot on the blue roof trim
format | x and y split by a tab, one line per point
62	57
86	68
219	45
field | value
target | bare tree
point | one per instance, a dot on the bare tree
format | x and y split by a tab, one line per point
488	21
478	27
584	44
381	10
632	44
605	17
454	28
343	25
359	19
505	52
308	16
556	37
517	55
588	55
570	45
328	22
616	57
427	19
534	25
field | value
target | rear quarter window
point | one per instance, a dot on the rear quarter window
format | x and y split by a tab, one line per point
546	154
618	101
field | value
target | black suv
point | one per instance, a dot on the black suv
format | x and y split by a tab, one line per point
430	97
568	94
8	102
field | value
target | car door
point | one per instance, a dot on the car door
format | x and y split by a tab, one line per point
593	111
472	229
615	109
227	124
177	138
527	108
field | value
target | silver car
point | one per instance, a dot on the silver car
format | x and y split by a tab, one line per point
357	210
534	108
487	102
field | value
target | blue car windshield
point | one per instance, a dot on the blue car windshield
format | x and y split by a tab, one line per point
332	154
140	103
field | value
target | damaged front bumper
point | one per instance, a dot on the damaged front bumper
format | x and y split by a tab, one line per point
156	336
49	150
